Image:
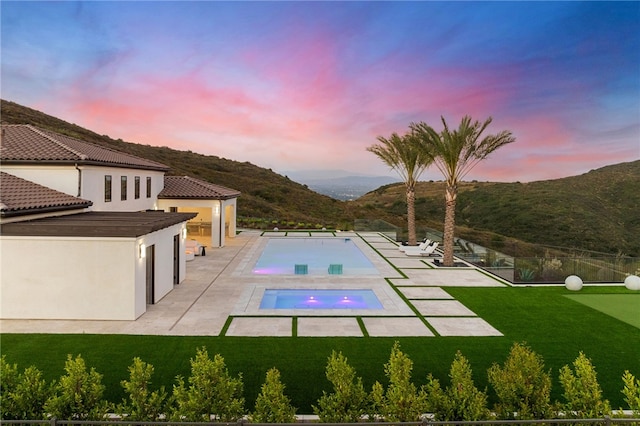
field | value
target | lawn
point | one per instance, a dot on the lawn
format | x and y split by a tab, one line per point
625	307
553	325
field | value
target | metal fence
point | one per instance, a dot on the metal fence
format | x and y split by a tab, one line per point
603	421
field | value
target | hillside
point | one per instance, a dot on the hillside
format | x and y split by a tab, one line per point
594	211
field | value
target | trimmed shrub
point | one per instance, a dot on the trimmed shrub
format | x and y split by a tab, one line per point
142	403
8	384
461	401
522	385
582	392
78	394
212	394
272	405
401	402
631	392
348	402
22	396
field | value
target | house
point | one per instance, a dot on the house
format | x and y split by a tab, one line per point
87	232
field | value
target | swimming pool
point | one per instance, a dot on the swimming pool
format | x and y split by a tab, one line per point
319	299
313	256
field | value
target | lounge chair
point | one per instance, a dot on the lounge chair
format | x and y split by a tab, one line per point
429	251
423	245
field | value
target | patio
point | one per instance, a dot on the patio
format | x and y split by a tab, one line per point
214	297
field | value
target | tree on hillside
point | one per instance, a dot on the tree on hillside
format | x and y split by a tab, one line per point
404	155
455	153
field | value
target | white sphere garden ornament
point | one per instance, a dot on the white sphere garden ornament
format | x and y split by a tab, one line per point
632	282
573	283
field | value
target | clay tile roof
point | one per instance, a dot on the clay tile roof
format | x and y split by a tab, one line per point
23	143
190	188
20	197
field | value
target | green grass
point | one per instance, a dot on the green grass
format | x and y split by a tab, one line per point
555	326
625	307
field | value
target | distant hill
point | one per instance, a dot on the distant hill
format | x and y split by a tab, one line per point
594	211
341	185
597	211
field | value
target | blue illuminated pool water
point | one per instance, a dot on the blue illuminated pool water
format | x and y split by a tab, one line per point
281	255
320	299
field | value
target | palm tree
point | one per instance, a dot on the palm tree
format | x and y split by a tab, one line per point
455	153
405	155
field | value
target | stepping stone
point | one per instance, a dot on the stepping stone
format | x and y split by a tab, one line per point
330	327
382	246
403	282
391	327
254	327
476	327
453	277
438	308
425	293
404	262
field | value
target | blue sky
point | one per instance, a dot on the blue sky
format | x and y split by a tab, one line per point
309	85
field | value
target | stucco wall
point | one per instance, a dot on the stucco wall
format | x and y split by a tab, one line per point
87	182
60	178
83	278
93	188
67	278
230	213
163	242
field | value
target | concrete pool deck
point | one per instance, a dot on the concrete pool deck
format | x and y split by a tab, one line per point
219	296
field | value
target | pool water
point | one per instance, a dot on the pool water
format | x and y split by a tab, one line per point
320	299
281	255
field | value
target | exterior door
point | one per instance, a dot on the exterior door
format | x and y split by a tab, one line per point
150	257
176	259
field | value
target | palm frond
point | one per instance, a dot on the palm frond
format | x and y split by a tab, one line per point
402	154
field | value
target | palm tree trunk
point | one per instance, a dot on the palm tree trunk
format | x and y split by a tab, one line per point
411	215
449	224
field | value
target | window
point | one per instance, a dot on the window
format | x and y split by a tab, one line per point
148	186
123	188
136	190
107	188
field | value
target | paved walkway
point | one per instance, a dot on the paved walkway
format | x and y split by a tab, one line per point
220	296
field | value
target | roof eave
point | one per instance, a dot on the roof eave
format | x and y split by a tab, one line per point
38	210
222	197
123	229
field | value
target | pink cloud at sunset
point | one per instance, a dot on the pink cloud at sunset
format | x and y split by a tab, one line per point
308	86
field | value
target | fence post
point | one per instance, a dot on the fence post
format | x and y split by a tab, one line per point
53	421
607	420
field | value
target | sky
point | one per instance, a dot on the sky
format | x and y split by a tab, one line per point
300	86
